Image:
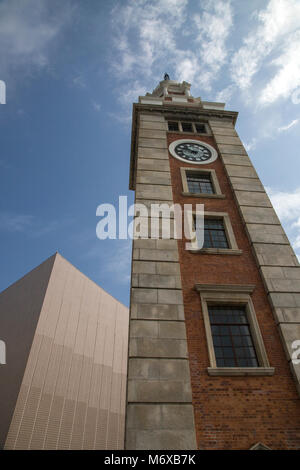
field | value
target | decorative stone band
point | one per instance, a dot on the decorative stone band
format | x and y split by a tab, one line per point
246	289
160	413
275	257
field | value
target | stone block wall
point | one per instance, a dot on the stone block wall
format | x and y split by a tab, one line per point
159	401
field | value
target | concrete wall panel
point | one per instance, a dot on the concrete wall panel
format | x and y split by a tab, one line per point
73	391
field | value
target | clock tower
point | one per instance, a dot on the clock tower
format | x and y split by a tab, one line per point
214	328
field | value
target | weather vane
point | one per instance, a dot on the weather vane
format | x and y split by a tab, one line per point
166	76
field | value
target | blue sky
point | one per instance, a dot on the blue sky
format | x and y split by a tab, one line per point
72	70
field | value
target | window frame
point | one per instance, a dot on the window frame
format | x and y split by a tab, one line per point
228	343
189	123
210	231
214	181
194	131
174	130
239	295
233	247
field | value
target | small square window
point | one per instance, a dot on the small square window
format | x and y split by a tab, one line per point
187	127
199	183
173	126
200	128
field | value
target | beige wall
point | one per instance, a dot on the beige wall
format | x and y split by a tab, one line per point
20	306
73	392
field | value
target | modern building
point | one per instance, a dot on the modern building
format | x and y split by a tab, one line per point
64	382
213	327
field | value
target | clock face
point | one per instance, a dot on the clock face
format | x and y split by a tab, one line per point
193	151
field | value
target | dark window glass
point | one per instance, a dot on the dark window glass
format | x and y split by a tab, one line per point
173	126
200	128
199	183
232	339
187	127
214	234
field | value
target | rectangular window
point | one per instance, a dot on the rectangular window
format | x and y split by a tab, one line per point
187	127
193	127
199	183
231	336
200	128
214	234
173	126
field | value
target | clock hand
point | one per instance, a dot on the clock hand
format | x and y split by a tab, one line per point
197	153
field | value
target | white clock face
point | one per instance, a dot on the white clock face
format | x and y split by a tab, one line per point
193	151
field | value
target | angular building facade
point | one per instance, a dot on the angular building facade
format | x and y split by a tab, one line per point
212	328
64	382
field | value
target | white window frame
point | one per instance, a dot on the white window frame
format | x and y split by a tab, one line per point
239	295
233	247
214	181
194	131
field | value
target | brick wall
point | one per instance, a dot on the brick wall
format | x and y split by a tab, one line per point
233	412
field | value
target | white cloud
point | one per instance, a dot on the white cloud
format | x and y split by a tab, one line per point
96	106
15	222
28	224
287	79
112	256
152	26
119	263
277	22
287	206
27	30
79	81
188	68
225	95
150	39
213	27
270	130
251	145
288	126
129	95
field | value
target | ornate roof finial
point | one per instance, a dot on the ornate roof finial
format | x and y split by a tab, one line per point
166	76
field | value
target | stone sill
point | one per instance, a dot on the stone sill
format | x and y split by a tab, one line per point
217	251
240	371
241	288
209	196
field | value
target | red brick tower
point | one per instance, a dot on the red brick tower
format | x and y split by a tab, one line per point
212	328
